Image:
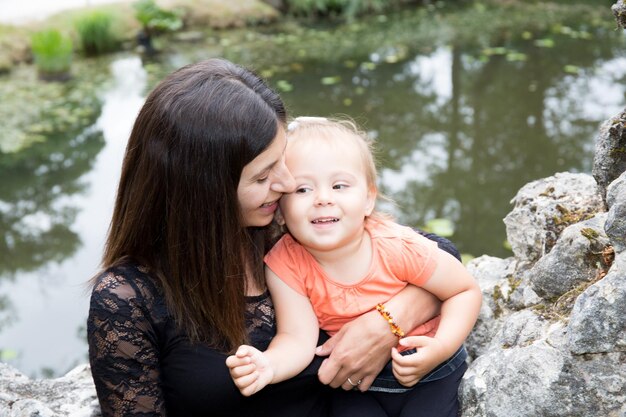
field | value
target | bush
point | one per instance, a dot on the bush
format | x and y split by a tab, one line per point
155	20
346	8
52	52
96	36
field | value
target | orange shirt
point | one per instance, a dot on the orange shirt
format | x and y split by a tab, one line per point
399	256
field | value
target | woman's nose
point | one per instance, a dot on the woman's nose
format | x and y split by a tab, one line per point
283	181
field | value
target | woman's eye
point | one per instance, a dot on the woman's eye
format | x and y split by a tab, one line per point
262	180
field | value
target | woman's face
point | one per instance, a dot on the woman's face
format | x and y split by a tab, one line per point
263	181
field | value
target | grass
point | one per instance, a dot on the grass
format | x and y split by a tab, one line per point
52	52
95	32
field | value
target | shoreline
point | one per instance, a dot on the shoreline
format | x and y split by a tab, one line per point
42	10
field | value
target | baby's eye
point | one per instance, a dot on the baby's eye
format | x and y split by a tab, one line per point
340	186
302	190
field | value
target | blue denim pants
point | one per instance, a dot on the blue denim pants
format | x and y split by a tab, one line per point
386	382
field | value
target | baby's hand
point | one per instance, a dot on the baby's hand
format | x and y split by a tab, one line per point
250	370
409	369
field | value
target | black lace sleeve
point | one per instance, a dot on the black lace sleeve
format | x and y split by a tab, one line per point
123	345
443	243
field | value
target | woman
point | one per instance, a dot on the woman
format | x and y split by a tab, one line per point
183	280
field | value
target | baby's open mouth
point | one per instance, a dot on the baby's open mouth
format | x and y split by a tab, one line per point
325	220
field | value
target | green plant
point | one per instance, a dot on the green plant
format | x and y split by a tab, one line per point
346	8
94	31
52	52
156	20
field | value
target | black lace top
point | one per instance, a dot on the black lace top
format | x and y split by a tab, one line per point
143	366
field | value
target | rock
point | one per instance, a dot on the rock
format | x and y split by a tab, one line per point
550	339
517	382
72	395
520	329
615	226
598	323
576	258
523	295
491	274
619	11
540	378
543	208
610	154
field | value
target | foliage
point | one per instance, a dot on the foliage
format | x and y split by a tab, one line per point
30	115
96	36
347	8
52	51
154	19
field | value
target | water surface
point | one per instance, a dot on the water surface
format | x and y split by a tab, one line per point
460	127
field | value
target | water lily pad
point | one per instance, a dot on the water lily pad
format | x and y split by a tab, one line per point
516	57
545	43
284	86
8	354
441	227
331	80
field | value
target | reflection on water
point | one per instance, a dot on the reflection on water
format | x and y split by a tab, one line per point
459	136
66	192
460	130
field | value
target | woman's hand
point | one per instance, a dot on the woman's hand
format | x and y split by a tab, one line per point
362	347
359	351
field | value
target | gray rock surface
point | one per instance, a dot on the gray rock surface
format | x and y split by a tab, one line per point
598	321
619	11
610	154
72	395
543	208
615	226
576	258
551	336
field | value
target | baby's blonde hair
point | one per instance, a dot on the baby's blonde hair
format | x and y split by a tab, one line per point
335	129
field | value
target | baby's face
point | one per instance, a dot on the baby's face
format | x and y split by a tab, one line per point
332	196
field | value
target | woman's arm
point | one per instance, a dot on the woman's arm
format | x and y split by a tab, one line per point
362	347
122	352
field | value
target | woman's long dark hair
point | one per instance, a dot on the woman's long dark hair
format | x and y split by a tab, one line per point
177	211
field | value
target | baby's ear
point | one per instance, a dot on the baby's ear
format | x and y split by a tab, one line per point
278	216
371	201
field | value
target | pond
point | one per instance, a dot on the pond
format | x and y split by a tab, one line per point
461	123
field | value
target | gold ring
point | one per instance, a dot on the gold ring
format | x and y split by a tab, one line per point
353	384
